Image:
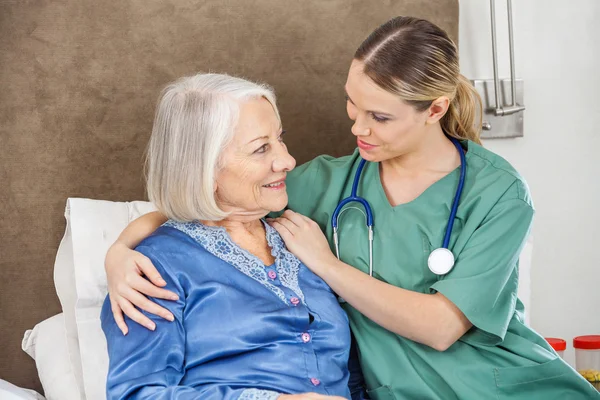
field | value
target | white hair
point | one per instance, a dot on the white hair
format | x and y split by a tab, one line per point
195	120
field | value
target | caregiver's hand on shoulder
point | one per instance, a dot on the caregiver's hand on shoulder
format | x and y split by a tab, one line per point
304	238
308	396
125	269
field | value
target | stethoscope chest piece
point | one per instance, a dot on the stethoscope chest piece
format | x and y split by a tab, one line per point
441	261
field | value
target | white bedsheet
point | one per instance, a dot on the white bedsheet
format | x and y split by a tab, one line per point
8	391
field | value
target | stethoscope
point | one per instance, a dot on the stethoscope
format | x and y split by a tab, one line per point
441	260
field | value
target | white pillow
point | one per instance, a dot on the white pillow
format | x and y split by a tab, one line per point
94	226
46	343
64	281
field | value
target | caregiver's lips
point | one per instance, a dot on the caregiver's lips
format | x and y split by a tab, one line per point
364	145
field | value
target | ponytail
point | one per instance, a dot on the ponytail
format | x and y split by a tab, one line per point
464	116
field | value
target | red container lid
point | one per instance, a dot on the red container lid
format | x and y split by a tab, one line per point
557	344
590	342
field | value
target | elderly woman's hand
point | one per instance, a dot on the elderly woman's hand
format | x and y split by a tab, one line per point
304	238
125	269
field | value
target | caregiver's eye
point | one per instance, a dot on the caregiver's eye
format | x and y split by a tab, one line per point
378	118
280	138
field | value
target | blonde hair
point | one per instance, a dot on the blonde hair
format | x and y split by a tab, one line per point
417	61
195	120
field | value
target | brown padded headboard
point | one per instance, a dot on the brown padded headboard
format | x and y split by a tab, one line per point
79	82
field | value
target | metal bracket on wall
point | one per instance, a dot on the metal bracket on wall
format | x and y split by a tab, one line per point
502	114
500	126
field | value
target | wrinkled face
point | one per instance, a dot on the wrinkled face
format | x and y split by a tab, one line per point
384	125
255	163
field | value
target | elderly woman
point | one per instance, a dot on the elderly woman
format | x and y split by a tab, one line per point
250	321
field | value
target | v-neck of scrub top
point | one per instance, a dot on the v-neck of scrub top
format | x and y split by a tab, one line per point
381	190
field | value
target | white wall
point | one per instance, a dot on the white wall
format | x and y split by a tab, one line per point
558	56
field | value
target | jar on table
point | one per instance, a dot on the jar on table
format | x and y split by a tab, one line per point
559	345
587	358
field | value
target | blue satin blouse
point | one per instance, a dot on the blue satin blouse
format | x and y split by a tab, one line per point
242	330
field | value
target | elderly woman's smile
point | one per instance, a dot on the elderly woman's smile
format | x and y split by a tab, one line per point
280	184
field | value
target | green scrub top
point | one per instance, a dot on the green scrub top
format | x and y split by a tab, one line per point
500	357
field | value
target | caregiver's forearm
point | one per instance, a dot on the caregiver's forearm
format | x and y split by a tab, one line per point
430	319
141	228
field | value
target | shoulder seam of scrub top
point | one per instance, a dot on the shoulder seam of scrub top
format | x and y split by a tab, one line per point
516	199
518	178
313	173
520	195
512	172
313	179
348	158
